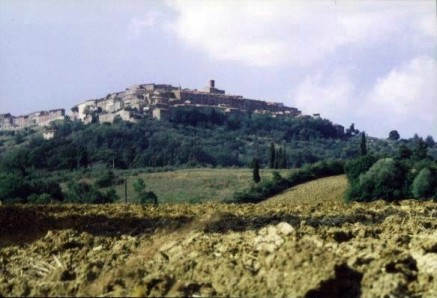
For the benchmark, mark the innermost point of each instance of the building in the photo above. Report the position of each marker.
(157, 100)
(49, 134)
(41, 118)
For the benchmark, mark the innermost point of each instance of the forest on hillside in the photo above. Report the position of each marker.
(191, 138)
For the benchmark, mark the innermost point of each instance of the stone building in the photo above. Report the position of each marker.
(156, 100)
(6, 121)
(42, 118)
(123, 115)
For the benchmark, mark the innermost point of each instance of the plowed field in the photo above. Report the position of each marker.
(318, 247)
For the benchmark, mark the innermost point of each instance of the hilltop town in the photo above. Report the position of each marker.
(153, 100)
(157, 100)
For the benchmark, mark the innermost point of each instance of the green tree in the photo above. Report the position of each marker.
(383, 180)
(421, 150)
(424, 185)
(272, 156)
(256, 176)
(363, 145)
(404, 152)
(430, 141)
(19, 138)
(13, 188)
(82, 192)
(394, 135)
(144, 196)
(106, 179)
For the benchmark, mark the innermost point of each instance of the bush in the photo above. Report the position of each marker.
(359, 166)
(148, 197)
(83, 192)
(424, 185)
(39, 199)
(50, 188)
(144, 196)
(13, 188)
(383, 180)
(107, 179)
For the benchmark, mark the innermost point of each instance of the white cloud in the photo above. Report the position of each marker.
(271, 33)
(405, 99)
(137, 25)
(329, 95)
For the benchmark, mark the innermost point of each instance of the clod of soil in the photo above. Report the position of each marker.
(323, 249)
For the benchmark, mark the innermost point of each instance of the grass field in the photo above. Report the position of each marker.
(195, 185)
(330, 189)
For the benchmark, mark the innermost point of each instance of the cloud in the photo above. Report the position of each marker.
(137, 25)
(273, 33)
(405, 99)
(328, 94)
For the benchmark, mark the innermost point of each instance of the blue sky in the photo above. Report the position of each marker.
(372, 63)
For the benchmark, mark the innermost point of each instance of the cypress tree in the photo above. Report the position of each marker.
(256, 176)
(277, 154)
(284, 161)
(363, 144)
(272, 156)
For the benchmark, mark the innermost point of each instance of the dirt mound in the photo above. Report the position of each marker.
(325, 249)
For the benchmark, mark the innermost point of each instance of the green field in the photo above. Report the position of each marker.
(195, 185)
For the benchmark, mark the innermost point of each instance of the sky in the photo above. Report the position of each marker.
(372, 63)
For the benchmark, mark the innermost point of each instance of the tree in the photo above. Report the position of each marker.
(256, 176)
(106, 179)
(363, 145)
(421, 150)
(404, 152)
(430, 141)
(382, 181)
(424, 184)
(12, 188)
(394, 135)
(272, 156)
(351, 131)
(144, 196)
(82, 192)
(358, 166)
(281, 159)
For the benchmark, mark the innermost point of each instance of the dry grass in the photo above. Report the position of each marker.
(330, 189)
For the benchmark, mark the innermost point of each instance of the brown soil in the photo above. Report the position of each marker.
(322, 249)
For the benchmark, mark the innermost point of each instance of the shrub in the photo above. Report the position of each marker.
(13, 188)
(50, 188)
(144, 196)
(424, 185)
(82, 192)
(359, 166)
(39, 198)
(383, 180)
(107, 179)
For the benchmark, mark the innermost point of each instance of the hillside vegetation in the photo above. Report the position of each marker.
(194, 185)
(64, 168)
